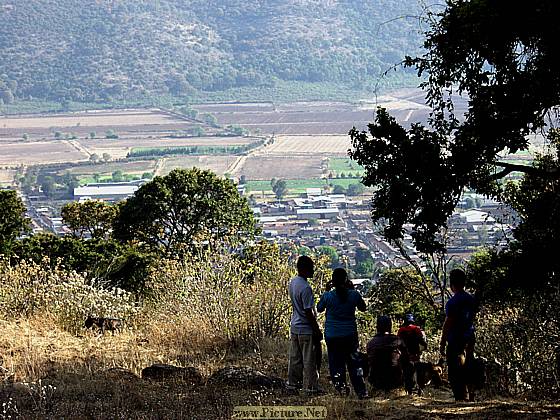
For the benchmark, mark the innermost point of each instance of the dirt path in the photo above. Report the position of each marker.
(160, 166)
(237, 165)
(78, 146)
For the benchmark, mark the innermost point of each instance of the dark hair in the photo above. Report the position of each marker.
(384, 324)
(340, 283)
(457, 278)
(304, 262)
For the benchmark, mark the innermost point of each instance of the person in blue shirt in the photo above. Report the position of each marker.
(458, 334)
(341, 332)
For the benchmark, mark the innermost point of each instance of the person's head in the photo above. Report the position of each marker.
(408, 319)
(340, 282)
(339, 277)
(457, 280)
(305, 266)
(384, 324)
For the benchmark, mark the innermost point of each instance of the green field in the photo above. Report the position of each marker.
(298, 186)
(345, 166)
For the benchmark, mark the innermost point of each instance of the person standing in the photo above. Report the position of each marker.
(341, 332)
(304, 330)
(458, 334)
(386, 353)
(415, 341)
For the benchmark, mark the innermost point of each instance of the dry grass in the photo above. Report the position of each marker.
(213, 312)
(77, 383)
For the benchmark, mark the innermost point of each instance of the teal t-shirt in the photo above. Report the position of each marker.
(341, 313)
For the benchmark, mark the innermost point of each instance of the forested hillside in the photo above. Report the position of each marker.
(98, 50)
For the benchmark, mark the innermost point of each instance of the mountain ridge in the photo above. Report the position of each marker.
(98, 50)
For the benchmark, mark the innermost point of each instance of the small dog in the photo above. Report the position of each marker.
(429, 374)
(104, 324)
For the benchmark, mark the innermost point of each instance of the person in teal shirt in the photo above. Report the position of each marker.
(341, 332)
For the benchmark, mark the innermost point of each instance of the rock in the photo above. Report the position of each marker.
(159, 372)
(246, 377)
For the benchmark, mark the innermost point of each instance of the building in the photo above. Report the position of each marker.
(106, 191)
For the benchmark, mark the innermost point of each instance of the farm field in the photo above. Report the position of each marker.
(218, 164)
(317, 145)
(305, 135)
(13, 154)
(119, 148)
(298, 186)
(129, 167)
(6, 177)
(317, 117)
(345, 166)
(81, 124)
(266, 167)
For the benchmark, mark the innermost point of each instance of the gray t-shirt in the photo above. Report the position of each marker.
(301, 296)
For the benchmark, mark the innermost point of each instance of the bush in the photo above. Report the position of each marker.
(28, 289)
(523, 336)
(243, 296)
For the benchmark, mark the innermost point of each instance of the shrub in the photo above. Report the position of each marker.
(243, 296)
(523, 336)
(29, 289)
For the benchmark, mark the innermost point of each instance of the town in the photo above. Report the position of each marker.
(319, 221)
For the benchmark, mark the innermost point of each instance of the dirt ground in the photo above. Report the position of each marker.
(266, 167)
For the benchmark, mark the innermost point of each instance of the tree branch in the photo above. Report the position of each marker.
(530, 170)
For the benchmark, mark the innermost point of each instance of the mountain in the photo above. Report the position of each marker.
(98, 50)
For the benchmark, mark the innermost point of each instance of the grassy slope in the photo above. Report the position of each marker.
(78, 369)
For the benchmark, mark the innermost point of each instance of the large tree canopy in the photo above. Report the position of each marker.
(502, 55)
(176, 212)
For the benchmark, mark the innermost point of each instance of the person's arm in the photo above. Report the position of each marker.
(308, 304)
(322, 305)
(448, 323)
(371, 360)
(422, 338)
(317, 334)
(361, 305)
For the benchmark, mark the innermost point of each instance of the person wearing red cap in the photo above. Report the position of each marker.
(415, 341)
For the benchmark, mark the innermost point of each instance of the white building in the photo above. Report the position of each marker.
(110, 192)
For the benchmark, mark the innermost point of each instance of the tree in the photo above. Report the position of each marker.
(507, 70)
(117, 176)
(93, 218)
(331, 252)
(355, 189)
(183, 210)
(105, 260)
(48, 185)
(6, 95)
(279, 188)
(94, 158)
(401, 291)
(106, 157)
(13, 222)
(339, 189)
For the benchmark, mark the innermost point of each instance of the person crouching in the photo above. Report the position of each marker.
(386, 355)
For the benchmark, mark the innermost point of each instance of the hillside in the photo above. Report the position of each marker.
(101, 50)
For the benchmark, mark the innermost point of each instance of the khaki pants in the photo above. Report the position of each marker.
(302, 366)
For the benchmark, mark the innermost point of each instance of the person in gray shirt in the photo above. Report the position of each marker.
(304, 330)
